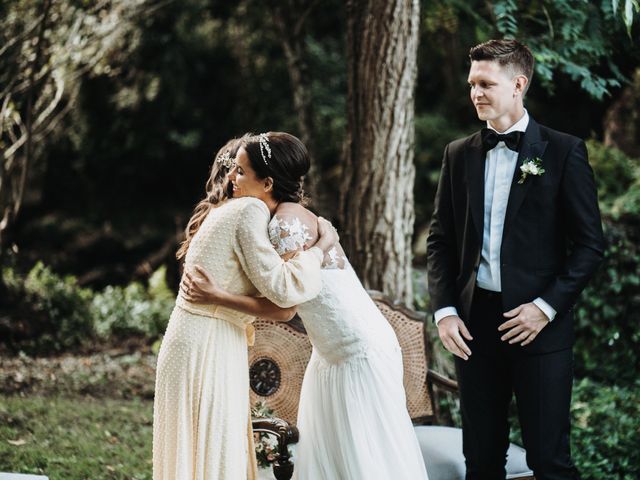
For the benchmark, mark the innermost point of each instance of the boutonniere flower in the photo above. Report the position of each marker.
(531, 167)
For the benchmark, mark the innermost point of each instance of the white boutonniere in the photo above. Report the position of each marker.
(531, 167)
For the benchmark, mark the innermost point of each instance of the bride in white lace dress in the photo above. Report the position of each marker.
(352, 418)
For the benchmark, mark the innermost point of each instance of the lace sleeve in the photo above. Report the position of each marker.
(284, 283)
(288, 234)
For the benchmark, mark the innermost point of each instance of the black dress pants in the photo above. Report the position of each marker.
(542, 387)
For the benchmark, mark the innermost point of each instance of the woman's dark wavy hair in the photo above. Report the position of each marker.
(217, 190)
(288, 164)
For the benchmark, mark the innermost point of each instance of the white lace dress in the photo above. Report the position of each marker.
(353, 419)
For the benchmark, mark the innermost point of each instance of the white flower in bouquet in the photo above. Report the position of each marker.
(271, 441)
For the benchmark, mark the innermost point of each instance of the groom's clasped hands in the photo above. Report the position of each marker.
(524, 324)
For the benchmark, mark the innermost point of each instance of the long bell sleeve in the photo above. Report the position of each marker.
(285, 283)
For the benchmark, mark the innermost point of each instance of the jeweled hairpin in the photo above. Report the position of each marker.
(264, 147)
(225, 160)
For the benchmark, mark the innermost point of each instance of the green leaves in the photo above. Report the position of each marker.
(64, 316)
(134, 309)
(569, 36)
(605, 426)
(60, 307)
(617, 179)
(607, 314)
(505, 14)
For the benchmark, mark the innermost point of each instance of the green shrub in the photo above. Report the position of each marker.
(614, 173)
(134, 309)
(11, 280)
(606, 421)
(627, 206)
(54, 314)
(607, 314)
(604, 429)
(61, 309)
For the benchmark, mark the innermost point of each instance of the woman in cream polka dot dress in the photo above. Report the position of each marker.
(201, 428)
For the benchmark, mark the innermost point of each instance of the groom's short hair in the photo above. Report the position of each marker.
(508, 53)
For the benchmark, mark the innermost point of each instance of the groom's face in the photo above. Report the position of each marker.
(494, 90)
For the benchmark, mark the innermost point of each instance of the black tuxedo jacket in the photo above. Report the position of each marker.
(552, 240)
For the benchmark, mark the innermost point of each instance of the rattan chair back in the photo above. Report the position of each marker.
(281, 352)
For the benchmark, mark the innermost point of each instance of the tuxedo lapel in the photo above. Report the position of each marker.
(532, 146)
(475, 160)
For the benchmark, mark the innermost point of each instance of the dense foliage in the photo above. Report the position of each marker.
(133, 98)
(604, 430)
(53, 314)
(608, 312)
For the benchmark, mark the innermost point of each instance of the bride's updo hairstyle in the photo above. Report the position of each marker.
(282, 157)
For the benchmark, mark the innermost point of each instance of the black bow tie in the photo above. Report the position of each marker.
(491, 138)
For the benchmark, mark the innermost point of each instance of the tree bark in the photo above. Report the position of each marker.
(376, 205)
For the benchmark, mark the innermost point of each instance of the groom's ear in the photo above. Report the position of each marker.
(521, 82)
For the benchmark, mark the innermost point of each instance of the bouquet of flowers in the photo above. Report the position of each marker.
(266, 445)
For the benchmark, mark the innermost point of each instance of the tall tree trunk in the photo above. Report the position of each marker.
(289, 18)
(376, 205)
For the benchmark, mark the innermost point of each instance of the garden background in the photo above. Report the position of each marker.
(111, 112)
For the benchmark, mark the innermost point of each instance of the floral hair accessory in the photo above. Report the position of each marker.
(531, 167)
(225, 160)
(264, 147)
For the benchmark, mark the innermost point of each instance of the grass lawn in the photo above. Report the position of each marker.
(76, 438)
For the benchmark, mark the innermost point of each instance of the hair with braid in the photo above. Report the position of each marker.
(217, 190)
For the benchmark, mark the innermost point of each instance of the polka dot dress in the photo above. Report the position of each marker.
(200, 425)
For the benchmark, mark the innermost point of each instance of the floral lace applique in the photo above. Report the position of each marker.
(286, 236)
(334, 260)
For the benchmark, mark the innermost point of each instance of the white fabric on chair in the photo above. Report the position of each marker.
(265, 474)
(442, 452)
(21, 476)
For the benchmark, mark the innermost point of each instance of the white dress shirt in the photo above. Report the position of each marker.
(500, 165)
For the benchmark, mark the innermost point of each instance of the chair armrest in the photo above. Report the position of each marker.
(286, 435)
(442, 381)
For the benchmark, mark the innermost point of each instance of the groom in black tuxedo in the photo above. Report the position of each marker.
(515, 236)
